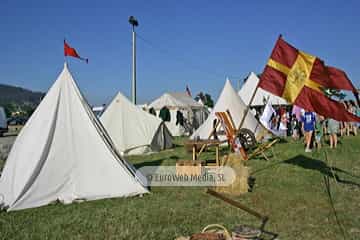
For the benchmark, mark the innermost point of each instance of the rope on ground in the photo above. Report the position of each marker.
(331, 201)
(329, 164)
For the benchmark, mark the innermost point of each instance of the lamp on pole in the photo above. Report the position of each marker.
(134, 23)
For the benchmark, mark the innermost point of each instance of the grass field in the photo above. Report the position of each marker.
(291, 189)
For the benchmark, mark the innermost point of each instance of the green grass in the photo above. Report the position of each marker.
(290, 189)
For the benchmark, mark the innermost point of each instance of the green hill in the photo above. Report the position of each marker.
(20, 96)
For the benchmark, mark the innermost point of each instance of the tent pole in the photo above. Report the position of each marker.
(246, 111)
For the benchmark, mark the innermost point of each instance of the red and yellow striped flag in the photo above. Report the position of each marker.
(301, 79)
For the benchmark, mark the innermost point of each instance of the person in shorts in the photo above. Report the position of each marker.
(333, 128)
(295, 127)
(354, 111)
(319, 130)
(283, 125)
(308, 127)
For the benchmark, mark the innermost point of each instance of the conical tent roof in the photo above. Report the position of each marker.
(132, 129)
(261, 96)
(229, 100)
(63, 153)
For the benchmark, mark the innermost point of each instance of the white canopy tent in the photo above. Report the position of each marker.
(229, 100)
(63, 153)
(133, 130)
(261, 97)
(194, 112)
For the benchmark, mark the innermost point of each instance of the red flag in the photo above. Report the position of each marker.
(337, 77)
(69, 51)
(301, 79)
(188, 90)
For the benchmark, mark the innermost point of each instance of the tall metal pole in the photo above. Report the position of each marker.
(133, 87)
(134, 23)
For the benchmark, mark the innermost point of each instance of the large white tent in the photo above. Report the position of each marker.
(64, 154)
(194, 112)
(133, 130)
(229, 100)
(261, 97)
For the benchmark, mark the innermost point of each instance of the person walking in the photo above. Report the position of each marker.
(354, 110)
(357, 114)
(333, 128)
(343, 125)
(295, 127)
(308, 127)
(347, 124)
(283, 125)
(319, 126)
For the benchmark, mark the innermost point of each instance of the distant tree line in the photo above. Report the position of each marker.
(205, 98)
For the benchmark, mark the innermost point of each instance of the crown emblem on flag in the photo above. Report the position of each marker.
(301, 78)
(297, 76)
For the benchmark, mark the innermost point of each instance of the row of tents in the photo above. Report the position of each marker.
(135, 131)
(66, 153)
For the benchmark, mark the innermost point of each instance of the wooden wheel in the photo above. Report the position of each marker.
(247, 138)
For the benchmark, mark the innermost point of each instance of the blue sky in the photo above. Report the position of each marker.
(195, 43)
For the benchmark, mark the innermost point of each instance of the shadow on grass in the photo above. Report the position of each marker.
(177, 145)
(156, 162)
(267, 167)
(316, 165)
(320, 166)
(282, 140)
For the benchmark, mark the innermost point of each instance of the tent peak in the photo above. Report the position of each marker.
(252, 73)
(227, 83)
(120, 94)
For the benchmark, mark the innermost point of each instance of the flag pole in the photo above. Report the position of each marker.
(251, 100)
(65, 59)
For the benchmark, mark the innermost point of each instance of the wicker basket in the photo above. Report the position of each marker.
(212, 232)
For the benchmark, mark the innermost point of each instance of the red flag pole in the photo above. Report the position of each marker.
(246, 111)
(65, 59)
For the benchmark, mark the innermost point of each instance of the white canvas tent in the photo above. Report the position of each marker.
(261, 97)
(63, 153)
(229, 100)
(133, 130)
(194, 112)
(3, 121)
